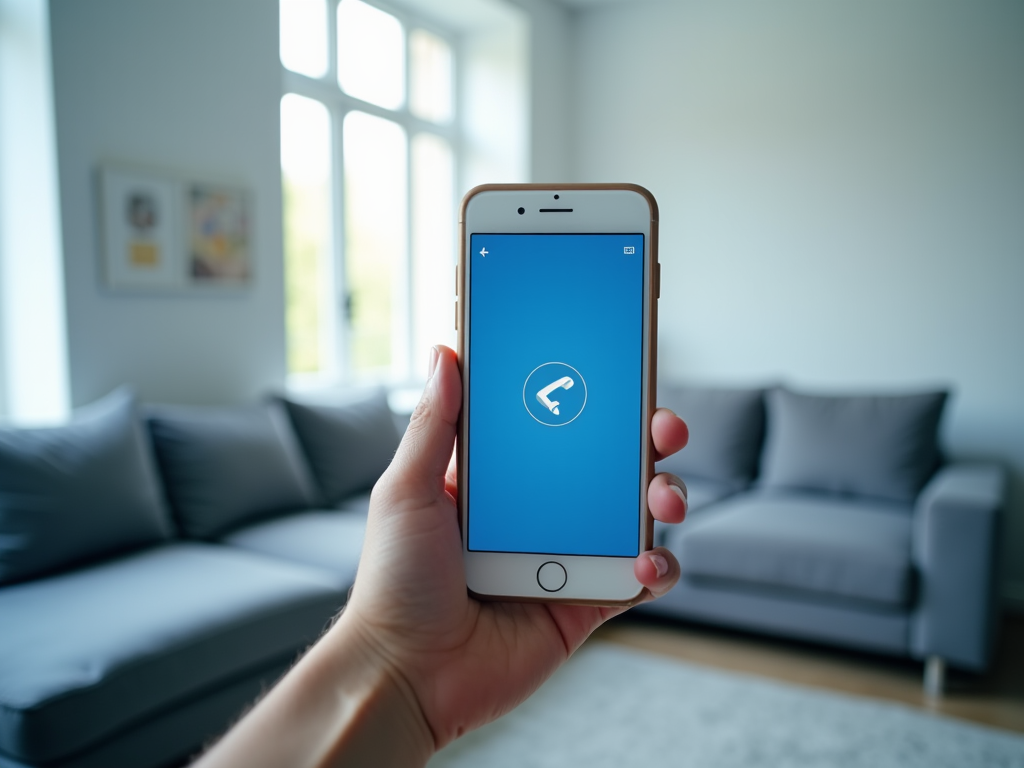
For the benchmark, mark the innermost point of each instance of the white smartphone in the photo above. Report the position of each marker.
(557, 319)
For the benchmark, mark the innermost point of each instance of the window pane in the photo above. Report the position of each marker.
(433, 247)
(306, 174)
(375, 242)
(304, 36)
(371, 54)
(430, 86)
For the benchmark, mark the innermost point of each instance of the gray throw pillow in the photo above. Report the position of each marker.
(882, 446)
(226, 466)
(726, 427)
(348, 446)
(77, 492)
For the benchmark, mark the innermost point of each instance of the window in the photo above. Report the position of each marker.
(369, 146)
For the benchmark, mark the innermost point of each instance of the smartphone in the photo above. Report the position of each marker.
(556, 314)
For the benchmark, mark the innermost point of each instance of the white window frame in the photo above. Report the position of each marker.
(327, 91)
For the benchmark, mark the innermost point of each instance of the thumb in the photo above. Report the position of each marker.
(417, 472)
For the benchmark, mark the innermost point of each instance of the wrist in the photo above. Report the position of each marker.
(383, 722)
(343, 704)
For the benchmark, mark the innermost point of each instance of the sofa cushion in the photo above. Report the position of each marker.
(726, 427)
(349, 445)
(224, 467)
(87, 654)
(811, 544)
(866, 445)
(79, 491)
(330, 539)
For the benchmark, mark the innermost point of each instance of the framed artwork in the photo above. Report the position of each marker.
(218, 234)
(141, 232)
(165, 233)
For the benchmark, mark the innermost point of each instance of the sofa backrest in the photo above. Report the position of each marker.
(348, 444)
(227, 466)
(877, 446)
(726, 430)
(78, 492)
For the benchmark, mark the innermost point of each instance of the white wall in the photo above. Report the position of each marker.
(550, 89)
(192, 87)
(842, 196)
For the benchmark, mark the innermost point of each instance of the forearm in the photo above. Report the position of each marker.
(339, 706)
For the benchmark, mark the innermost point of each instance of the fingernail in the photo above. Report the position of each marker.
(434, 354)
(660, 564)
(680, 492)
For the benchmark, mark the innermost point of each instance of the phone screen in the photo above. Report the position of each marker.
(555, 393)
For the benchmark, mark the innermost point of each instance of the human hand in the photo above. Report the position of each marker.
(460, 662)
(414, 662)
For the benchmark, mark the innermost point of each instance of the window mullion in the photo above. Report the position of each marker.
(332, 42)
(340, 302)
(407, 288)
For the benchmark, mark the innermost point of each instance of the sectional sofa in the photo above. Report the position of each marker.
(837, 520)
(159, 567)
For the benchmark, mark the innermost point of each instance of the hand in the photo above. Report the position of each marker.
(414, 662)
(464, 661)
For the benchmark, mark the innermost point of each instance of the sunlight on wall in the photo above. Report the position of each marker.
(32, 319)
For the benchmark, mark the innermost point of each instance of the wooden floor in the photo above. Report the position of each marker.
(995, 699)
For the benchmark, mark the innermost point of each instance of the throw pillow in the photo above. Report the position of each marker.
(883, 446)
(227, 466)
(726, 427)
(349, 446)
(81, 491)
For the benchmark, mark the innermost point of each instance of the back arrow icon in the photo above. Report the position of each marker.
(484, 251)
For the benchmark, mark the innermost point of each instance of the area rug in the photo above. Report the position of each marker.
(613, 706)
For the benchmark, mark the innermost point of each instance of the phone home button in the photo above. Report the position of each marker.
(551, 576)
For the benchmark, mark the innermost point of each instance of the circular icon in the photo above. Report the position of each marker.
(554, 394)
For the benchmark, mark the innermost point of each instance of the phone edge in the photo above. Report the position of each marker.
(655, 295)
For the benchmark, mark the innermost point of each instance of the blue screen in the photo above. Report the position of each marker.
(555, 393)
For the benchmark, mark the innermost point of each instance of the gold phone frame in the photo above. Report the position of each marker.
(461, 323)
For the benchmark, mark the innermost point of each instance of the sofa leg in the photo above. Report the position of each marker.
(934, 676)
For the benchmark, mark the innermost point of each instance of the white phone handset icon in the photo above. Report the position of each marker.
(542, 397)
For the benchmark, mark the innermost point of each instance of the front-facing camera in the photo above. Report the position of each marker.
(522, 211)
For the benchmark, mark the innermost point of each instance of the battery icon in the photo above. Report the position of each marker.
(628, 249)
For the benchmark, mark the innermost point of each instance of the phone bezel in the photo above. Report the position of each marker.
(597, 208)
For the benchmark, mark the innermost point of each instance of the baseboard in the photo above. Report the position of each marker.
(1013, 596)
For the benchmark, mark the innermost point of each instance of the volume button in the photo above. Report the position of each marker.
(657, 280)
(456, 279)
(456, 314)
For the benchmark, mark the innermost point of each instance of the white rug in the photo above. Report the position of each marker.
(611, 706)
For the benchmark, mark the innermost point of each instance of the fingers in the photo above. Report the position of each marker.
(419, 467)
(666, 497)
(670, 433)
(658, 570)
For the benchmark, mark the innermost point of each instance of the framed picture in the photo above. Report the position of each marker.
(161, 232)
(141, 217)
(218, 234)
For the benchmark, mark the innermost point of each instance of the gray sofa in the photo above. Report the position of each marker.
(158, 569)
(835, 520)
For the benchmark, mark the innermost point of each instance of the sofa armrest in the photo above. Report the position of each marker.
(956, 521)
